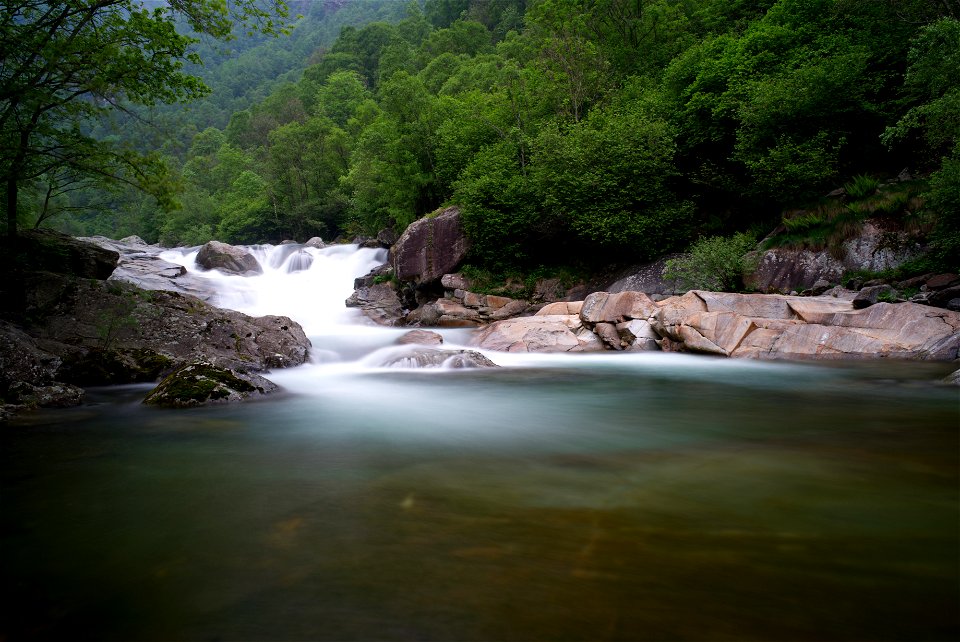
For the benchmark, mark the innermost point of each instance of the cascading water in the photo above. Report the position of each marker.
(616, 496)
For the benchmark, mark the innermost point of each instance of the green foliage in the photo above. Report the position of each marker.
(67, 65)
(713, 263)
(861, 186)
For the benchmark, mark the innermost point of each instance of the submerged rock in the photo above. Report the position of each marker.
(200, 382)
(438, 358)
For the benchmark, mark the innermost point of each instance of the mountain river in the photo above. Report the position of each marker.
(613, 496)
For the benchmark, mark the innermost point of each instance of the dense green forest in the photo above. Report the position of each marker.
(567, 130)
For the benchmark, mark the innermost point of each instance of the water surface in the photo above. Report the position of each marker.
(599, 497)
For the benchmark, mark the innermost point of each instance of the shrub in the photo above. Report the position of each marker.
(713, 263)
(861, 186)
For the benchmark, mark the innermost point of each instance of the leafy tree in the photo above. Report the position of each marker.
(68, 63)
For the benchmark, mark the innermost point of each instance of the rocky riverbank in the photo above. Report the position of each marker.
(71, 318)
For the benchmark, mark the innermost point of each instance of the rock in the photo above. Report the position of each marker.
(387, 237)
(378, 302)
(142, 265)
(781, 327)
(133, 240)
(49, 251)
(430, 247)
(945, 298)
(783, 269)
(421, 337)
(871, 294)
(646, 278)
(561, 333)
(200, 383)
(941, 281)
(227, 258)
(560, 307)
(637, 335)
(77, 319)
(434, 358)
(380, 274)
(548, 290)
(315, 242)
(953, 379)
(614, 308)
(609, 335)
(455, 281)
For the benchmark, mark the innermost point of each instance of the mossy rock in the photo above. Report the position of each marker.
(200, 382)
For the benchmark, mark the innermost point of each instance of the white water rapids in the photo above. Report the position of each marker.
(310, 285)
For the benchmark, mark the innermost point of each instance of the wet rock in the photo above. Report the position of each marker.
(380, 274)
(420, 337)
(430, 247)
(379, 303)
(142, 265)
(315, 242)
(200, 383)
(435, 358)
(227, 258)
(953, 378)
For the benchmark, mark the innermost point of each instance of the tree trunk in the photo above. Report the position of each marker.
(12, 206)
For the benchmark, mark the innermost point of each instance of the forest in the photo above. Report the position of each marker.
(570, 132)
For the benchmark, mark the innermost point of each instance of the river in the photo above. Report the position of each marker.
(644, 496)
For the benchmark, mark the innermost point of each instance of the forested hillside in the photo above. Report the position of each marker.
(615, 130)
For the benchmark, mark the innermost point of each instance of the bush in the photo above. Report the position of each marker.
(713, 263)
(861, 186)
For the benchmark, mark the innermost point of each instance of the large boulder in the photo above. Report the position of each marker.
(28, 373)
(201, 383)
(783, 327)
(142, 265)
(49, 251)
(430, 247)
(83, 321)
(227, 258)
(547, 333)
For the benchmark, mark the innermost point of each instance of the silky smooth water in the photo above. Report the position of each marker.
(559, 497)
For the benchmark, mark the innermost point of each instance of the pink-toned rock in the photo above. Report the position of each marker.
(604, 307)
(559, 333)
(781, 327)
(561, 307)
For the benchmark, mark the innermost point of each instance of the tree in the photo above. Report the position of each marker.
(66, 63)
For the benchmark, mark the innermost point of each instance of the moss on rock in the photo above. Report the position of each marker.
(201, 382)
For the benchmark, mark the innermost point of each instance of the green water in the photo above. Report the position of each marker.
(598, 500)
